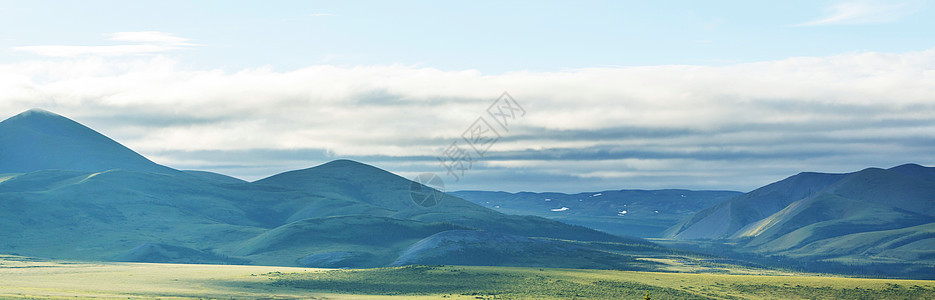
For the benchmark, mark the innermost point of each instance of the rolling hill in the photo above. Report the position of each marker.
(68, 192)
(873, 216)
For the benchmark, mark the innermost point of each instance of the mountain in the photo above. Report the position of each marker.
(68, 192)
(873, 216)
(729, 216)
(637, 213)
(356, 188)
(40, 140)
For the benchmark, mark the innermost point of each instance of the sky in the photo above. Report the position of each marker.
(603, 95)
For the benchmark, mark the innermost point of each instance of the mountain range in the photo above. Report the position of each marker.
(69, 192)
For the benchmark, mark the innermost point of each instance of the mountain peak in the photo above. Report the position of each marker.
(38, 139)
(909, 166)
(915, 170)
(341, 168)
(45, 122)
(37, 112)
(344, 163)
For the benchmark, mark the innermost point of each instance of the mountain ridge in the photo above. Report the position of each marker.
(73, 193)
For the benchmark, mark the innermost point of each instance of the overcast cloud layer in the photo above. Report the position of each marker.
(671, 126)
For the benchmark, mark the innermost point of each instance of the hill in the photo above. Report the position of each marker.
(68, 192)
(871, 217)
(364, 189)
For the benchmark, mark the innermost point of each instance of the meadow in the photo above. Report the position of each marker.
(25, 278)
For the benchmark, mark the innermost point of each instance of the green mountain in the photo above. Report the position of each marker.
(67, 192)
(637, 213)
(873, 216)
(362, 189)
(40, 140)
(722, 220)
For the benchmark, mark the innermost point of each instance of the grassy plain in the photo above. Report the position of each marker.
(23, 278)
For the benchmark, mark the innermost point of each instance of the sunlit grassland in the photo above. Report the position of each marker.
(24, 278)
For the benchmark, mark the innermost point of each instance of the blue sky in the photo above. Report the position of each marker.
(619, 94)
(490, 36)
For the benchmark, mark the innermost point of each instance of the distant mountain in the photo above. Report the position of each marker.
(40, 140)
(873, 216)
(637, 213)
(68, 192)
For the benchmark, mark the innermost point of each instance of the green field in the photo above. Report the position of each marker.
(24, 278)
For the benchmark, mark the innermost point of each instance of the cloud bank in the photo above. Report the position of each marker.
(714, 127)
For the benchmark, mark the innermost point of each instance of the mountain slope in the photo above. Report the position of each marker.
(40, 140)
(83, 215)
(468, 247)
(727, 217)
(855, 218)
(380, 238)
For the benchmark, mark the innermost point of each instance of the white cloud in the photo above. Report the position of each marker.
(864, 12)
(149, 37)
(650, 126)
(145, 43)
